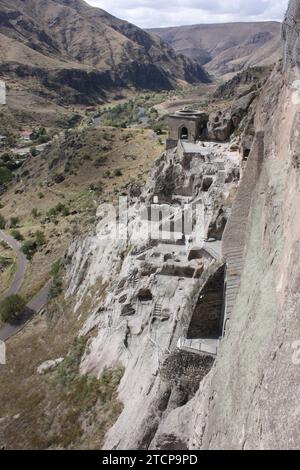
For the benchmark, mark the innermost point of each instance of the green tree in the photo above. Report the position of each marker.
(106, 174)
(41, 131)
(158, 128)
(17, 235)
(29, 248)
(35, 212)
(14, 221)
(33, 151)
(40, 238)
(118, 172)
(2, 222)
(5, 175)
(56, 267)
(11, 307)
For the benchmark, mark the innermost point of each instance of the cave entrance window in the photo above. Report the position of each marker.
(246, 154)
(145, 295)
(202, 131)
(184, 133)
(207, 182)
(208, 316)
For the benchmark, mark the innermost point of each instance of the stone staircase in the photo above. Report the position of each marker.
(214, 249)
(157, 309)
(201, 346)
(235, 234)
(235, 263)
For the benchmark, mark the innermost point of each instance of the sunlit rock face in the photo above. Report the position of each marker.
(146, 290)
(145, 294)
(291, 35)
(253, 387)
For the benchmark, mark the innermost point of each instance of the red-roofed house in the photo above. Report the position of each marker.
(27, 135)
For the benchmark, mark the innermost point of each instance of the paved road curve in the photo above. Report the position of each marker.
(10, 329)
(21, 267)
(34, 305)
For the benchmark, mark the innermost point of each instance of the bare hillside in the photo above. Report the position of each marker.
(226, 48)
(70, 52)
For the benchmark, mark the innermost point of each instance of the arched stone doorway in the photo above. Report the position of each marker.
(183, 133)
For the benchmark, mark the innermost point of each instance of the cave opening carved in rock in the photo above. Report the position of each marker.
(208, 315)
(145, 295)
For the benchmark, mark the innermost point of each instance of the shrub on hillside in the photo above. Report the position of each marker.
(35, 213)
(58, 209)
(2, 222)
(29, 248)
(5, 175)
(33, 151)
(17, 235)
(40, 238)
(158, 128)
(14, 221)
(118, 172)
(11, 308)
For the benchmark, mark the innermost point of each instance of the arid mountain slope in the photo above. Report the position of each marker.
(75, 52)
(226, 48)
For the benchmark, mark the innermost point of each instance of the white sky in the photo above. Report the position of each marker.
(156, 13)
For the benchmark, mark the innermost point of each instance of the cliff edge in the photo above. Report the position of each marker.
(249, 400)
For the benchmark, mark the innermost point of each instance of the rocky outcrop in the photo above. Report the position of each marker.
(249, 400)
(243, 83)
(222, 124)
(151, 296)
(291, 35)
(152, 287)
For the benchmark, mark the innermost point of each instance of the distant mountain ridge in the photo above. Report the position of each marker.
(226, 48)
(76, 52)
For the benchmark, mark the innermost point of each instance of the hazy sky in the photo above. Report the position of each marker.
(155, 13)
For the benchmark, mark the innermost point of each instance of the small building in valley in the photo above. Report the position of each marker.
(27, 135)
(186, 125)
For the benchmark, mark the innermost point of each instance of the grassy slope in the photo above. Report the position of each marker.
(53, 410)
(89, 161)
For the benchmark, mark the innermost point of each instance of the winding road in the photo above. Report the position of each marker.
(10, 329)
(21, 267)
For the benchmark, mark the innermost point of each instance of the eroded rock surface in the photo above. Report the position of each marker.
(147, 291)
(249, 400)
(152, 285)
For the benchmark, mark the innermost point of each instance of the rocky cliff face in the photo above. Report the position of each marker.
(153, 288)
(290, 35)
(249, 400)
(198, 375)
